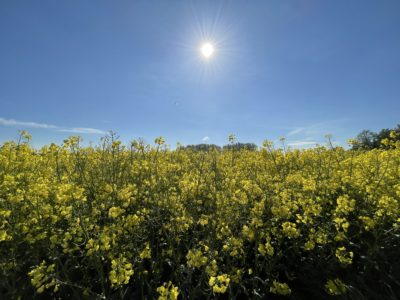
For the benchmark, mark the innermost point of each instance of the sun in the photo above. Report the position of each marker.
(207, 50)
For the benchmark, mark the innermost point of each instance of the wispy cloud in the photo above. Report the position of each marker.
(295, 131)
(205, 139)
(12, 122)
(302, 143)
(317, 130)
(306, 136)
(83, 130)
(24, 124)
(311, 130)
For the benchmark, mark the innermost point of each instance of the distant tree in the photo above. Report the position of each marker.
(368, 139)
(202, 147)
(240, 146)
(383, 134)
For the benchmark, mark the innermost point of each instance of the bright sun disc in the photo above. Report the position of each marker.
(207, 50)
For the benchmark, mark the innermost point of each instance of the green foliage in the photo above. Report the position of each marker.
(202, 147)
(368, 140)
(241, 146)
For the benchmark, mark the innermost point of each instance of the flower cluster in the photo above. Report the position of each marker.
(168, 292)
(280, 288)
(219, 283)
(121, 271)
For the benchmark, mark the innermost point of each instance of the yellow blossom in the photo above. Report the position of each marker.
(280, 288)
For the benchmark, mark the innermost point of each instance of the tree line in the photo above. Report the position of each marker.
(365, 140)
(232, 146)
(368, 139)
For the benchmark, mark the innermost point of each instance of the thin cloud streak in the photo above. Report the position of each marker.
(295, 131)
(315, 131)
(205, 139)
(302, 143)
(311, 130)
(82, 130)
(12, 122)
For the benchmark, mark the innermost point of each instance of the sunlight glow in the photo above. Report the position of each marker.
(207, 50)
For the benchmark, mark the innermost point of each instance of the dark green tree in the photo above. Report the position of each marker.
(240, 146)
(368, 139)
(202, 147)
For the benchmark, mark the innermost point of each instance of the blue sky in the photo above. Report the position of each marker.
(299, 69)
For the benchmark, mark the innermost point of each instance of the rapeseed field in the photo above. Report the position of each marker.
(146, 222)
